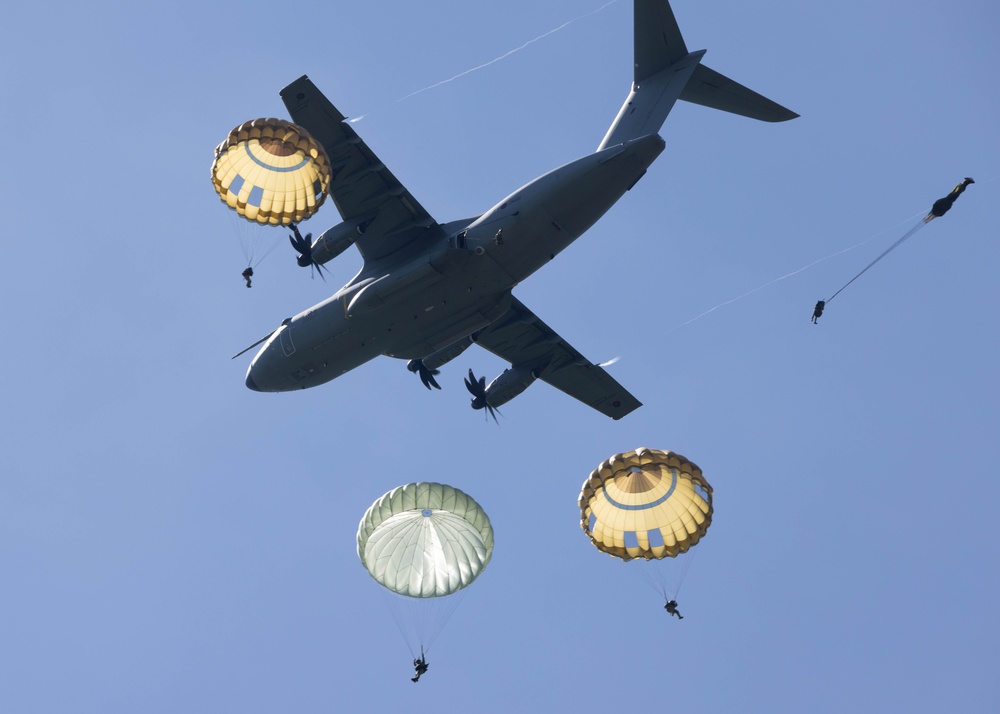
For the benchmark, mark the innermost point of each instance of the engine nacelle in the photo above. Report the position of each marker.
(509, 384)
(336, 240)
(447, 354)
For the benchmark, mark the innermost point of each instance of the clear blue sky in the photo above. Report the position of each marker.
(173, 542)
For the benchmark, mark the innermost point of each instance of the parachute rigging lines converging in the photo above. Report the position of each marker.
(424, 543)
(271, 173)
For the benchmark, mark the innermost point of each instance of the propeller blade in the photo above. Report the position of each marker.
(302, 246)
(477, 388)
(426, 375)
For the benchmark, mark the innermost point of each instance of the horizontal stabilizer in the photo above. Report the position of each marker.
(711, 89)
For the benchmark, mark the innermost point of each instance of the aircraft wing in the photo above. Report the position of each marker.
(362, 187)
(522, 339)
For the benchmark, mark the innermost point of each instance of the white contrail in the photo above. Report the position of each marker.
(795, 272)
(506, 54)
(815, 262)
(355, 120)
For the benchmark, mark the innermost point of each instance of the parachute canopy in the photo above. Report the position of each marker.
(272, 172)
(425, 540)
(645, 504)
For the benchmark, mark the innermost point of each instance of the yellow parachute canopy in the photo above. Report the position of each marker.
(272, 172)
(646, 504)
(425, 540)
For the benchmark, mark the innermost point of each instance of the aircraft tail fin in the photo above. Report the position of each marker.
(666, 71)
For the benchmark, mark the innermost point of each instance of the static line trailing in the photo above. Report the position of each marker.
(940, 207)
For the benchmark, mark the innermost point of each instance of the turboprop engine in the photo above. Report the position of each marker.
(501, 390)
(427, 368)
(336, 240)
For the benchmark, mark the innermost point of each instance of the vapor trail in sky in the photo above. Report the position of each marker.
(508, 54)
(498, 59)
(794, 272)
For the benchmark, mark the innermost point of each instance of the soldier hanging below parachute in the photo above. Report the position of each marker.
(271, 173)
(652, 507)
(424, 542)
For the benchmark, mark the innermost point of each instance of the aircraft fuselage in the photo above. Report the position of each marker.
(411, 305)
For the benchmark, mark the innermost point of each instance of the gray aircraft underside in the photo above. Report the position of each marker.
(427, 291)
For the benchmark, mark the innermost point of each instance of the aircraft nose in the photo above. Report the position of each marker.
(250, 383)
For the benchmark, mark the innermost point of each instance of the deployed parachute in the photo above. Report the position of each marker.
(424, 541)
(271, 172)
(646, 504)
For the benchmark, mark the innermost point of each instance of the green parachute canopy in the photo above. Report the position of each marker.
(271, 172)
(645, 504)
(425, 540)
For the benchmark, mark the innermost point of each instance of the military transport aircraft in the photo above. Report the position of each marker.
(429, 290)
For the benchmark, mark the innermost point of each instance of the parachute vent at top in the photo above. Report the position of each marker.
(271, 172)
(647, 504)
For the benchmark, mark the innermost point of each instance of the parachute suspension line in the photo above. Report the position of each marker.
(685, 567)
(442, 614)
(266, 253)
(241, 229)
(888, 250)
(421, 620)
(251, 237)
(665, 576)
(433, 615)
(397, 616)
(654, 575)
